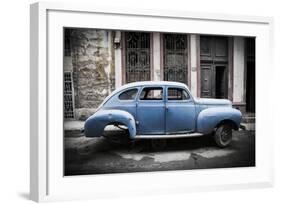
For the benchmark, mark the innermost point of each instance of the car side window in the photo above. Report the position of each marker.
(177, 94)
(129, 94)
(152, 93)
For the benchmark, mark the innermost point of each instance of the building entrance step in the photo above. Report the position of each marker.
(249, 118)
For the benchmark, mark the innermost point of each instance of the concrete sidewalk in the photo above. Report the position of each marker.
(249, 126)
(73, 125)
(73, 128)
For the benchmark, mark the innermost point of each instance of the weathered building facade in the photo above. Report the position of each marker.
(98, 61)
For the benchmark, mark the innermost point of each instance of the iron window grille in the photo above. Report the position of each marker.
(68, 96)
(175, 57)
(137, 56)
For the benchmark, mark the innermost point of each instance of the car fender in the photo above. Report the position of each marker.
(209, 118)
(94, 125)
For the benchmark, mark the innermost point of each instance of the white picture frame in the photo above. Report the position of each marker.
(47, 182)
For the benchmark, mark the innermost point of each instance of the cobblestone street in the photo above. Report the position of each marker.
(99, 156)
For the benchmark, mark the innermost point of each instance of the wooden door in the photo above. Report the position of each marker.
(214, 66)
(206, 80)
(214, 81)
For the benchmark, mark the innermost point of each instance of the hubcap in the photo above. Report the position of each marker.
(226, 134)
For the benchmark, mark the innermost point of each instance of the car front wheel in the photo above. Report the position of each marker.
(223, 135)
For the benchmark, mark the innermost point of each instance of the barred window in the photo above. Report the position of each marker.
(175, 50)
(137, 56)
(68, 96)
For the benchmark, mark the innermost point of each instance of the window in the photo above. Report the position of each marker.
(137, 56)
(67, 42)
(128, 94)
(152, 94)
(175, 57)
(177, 94)
(68, 96)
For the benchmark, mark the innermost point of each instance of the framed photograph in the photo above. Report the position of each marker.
(128, 102)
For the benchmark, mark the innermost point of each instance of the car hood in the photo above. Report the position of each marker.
(213, 102)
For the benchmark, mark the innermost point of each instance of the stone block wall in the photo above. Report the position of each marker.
(92, 54)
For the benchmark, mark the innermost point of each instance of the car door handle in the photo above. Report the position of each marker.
(167, 107)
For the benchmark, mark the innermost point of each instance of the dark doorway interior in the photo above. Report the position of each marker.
(250, 75)
(250, 87)
(221, 86)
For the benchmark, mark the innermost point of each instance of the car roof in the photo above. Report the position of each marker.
(148, 83)
(152, 83)
(144, 83)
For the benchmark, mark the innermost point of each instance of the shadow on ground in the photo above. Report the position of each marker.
(100, 156)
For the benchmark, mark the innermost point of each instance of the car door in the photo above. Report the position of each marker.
(151, 111)
(180, 111)
(126, 101)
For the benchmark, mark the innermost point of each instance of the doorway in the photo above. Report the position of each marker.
(220, 82)
(250, 87)
(214, 81)
(250, 75)
(214, 66)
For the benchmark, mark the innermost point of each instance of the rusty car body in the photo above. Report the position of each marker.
(160, 110)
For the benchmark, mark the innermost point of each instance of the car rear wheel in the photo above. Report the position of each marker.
(117, 135)
(223, 135)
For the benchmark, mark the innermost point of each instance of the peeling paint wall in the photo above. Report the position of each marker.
(194, 66)
(92, 54)
(238, 70)
(156, 56)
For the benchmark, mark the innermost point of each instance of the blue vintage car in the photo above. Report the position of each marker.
(160, 110)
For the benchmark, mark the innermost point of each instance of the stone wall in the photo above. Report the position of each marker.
(92, 55)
